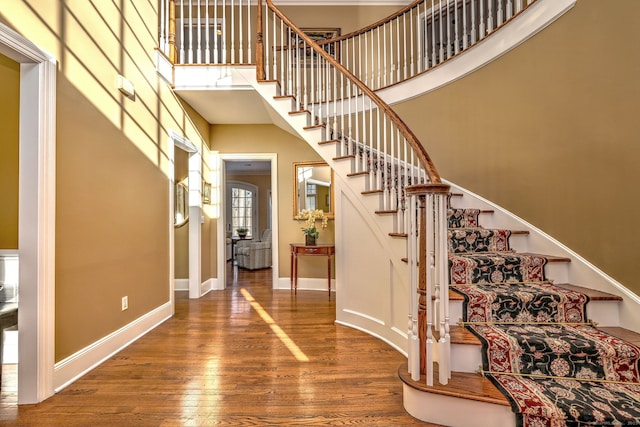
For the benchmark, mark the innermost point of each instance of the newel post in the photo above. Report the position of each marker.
(429, 339)
(259, 45)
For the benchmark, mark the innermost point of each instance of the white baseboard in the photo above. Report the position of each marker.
(306, 284)
(180, 284)
(68, 370)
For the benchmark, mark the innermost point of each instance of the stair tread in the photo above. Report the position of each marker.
(461, 385)
(313, 127)
(404, 235)
(593, 294)
(282, 96)
(383, 212)
(330, 141)
(550, 258)
(461, 335)
(622, 333)
(372, 192)
(358, 173)
(348, 156)
(292, 113)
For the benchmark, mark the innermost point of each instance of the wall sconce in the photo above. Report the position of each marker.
(126, 87)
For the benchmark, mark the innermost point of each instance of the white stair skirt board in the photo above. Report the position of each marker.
(455, 412)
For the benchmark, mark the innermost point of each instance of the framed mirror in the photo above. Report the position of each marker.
(313, 187)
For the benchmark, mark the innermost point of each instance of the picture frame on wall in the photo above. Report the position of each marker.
(319, 35)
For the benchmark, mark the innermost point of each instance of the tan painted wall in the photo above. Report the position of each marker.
(271, 139)
(550, 132)
(112, 216)
(9, 145)
(347, 18)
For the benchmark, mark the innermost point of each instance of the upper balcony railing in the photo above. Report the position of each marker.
(422, 35)
(208, 32)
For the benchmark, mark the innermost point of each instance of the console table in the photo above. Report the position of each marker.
(298, 249)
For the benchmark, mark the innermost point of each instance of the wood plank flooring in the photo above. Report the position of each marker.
(222, 360)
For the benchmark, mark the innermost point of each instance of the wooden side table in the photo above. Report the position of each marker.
(298, 249)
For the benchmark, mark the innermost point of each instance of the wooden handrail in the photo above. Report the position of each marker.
(377, 24)
(421, 152)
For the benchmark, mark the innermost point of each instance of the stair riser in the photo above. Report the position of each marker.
(603, 312)
(455, 412)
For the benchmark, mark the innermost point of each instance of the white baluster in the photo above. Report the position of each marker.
(456, 28)
(215, 32)
(190, 48)
(509, 11)
(433, 34)
(518, 5)
(249, 32)
(449, 52)
(404, 47)
(490, 16)
(225, 35)
(465, 34)
(419, 35)
(207, 26)
(378, 56)
(232, 36)
(240, 35)
(429, 296)
(412, 34)
(399, 60)
(474, 38)
(482, 27)
(443, 280)
(199, 38)
(384, 55)
(500, 11)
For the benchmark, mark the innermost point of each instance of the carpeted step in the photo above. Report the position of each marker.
(463, 218)
(522, 302)
(557, 350)
(496, 268)
(466, 240)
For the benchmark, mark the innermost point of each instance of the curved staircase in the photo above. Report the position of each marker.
(505, 290)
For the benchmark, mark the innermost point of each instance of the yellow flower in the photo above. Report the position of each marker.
(310, 216)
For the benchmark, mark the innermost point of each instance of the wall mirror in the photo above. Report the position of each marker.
(313, 187)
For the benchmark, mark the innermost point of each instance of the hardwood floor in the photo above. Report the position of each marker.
(226, 360)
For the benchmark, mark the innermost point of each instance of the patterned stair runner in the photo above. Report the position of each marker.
(538, 347)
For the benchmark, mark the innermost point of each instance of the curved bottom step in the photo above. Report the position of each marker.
(467, 400)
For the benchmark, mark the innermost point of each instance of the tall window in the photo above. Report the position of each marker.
(241, 209)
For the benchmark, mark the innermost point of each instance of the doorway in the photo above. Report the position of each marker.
(36, 215)
(259, 170)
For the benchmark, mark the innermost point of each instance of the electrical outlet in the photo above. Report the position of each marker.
(125, 303)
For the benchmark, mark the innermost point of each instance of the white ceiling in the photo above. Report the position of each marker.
(228, 106)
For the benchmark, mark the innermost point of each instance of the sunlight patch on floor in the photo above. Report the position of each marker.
(282, 335)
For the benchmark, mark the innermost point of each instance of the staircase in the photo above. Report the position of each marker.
(467, 389)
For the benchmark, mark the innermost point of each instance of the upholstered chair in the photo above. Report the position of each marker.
(255, 254)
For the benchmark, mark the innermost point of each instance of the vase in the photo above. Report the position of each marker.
(310, 240)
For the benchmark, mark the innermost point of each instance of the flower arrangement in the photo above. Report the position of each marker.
(310, 216)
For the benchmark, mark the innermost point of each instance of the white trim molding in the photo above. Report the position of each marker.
(81, 362)
(37, 206)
